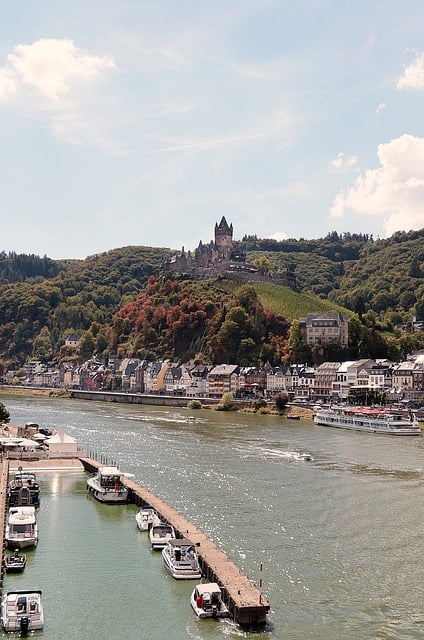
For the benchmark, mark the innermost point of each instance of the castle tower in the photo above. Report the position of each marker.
(224, 239)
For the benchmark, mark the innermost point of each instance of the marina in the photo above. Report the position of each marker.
(111, 486)
(339, 537)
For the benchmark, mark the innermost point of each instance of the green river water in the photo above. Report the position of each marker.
(339, 538)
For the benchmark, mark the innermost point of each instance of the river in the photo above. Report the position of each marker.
(336, 541)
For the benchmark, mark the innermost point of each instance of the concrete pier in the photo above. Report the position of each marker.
(246, 603)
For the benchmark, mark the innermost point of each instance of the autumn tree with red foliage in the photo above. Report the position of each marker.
(178, 320)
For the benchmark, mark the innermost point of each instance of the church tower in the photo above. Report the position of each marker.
(224, 239)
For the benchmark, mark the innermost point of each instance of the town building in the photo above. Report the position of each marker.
(324, 328)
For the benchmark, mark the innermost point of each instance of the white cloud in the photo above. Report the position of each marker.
(394, 191)
(47, 76)
(7, 85)
(51, 67)
(278, 235)
(381, 107)
(343, 161)
(413, 76)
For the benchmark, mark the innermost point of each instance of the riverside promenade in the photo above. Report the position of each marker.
(245, 601)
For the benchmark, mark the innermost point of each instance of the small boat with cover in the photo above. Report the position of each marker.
(14, 562)
(206, 601)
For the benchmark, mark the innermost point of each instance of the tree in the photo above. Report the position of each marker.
(42, 348)
(281, 400)
(227, 402)
(263, 265)
(4, 414)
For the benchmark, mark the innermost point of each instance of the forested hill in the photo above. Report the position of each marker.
(43, 300)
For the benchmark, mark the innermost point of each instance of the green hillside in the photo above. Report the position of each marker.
(283, 300)
(380, 283)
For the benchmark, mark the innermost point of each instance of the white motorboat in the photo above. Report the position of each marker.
(107, 485)
(368, 419)
(160, 533)
(206, 600)
(22, 611)
(145, 517)
(23, 489)
(21, 530)
(180, 559)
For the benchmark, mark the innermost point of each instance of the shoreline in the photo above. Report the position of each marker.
(156, 400)
(32, 391)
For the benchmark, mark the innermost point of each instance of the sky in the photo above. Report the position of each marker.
(133, 122)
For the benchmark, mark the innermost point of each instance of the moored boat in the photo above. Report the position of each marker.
(206, 600)
(160, 533)
(107, 485)
(21, 529)
(23, 489)
(22, 611)
(145, 517)
(14, 562)
(180, 559)
(368, 419)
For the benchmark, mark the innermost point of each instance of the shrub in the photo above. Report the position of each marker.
(194, 404)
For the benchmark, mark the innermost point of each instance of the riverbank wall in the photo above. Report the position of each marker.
(159, 400)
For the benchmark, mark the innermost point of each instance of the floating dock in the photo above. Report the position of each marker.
(245, 601)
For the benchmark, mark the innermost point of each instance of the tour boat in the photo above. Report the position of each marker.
(160, 533)
(23, 489)
(107, 486)
(21, 530)
(145, 517)
(206, 600)
(14, 562)
(180, 559)
(368, 419)
(22, 611)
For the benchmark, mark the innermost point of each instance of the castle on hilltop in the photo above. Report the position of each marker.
(221, 257)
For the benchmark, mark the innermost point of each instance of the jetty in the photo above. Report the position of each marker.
(245, 601)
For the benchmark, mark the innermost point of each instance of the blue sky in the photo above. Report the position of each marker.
(127, 122)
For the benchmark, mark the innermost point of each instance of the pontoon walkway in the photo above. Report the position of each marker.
(246, 603)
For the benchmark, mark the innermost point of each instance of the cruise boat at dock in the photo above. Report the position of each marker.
(107, 485)
(368, 419)
(21, 529)
(180, 559)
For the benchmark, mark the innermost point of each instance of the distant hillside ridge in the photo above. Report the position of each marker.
(379, 282)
